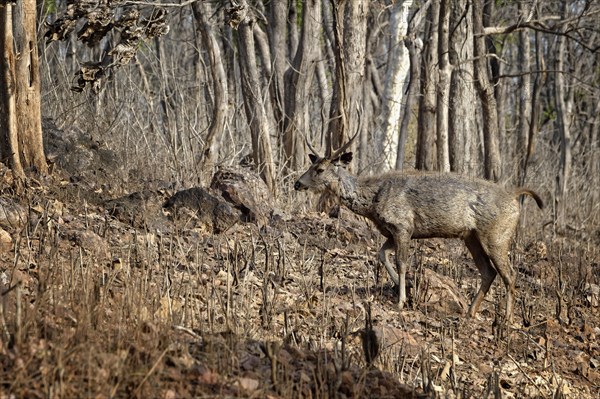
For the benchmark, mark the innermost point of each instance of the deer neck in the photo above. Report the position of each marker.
(347, 188)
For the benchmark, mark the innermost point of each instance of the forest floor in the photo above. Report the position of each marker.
(100, 306)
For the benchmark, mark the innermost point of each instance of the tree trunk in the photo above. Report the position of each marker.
(563, 111)
(485, 90)
(9, 148)
(425, 156)
(396, 82)
(253, 101)
(413, 85)
(443, 100)
(219, 111)
(414, 45)
(355, 45)
(346, 105)
(325, 95)
(21, 122)
(277, 41)
(524, 50)
(462, 133)
(301, 78)
(537, 105)
(338, 118)
(29, 119)
(292, 25)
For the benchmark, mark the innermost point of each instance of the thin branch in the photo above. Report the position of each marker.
(534, 24)
(538, 25)
(153, 3)
(543, 71)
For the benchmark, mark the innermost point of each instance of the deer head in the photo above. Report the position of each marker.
(324, 170)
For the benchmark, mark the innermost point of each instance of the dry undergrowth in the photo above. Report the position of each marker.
(93, 307)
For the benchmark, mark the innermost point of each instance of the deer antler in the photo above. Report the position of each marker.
(326, 131)
(310, 147)
(340, 151)
(343, 148)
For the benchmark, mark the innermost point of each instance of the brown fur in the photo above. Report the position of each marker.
(408, 205)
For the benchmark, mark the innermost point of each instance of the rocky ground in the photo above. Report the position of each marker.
(223, 291)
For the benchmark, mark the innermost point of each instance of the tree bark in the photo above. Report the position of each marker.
(485, 90)
(414, 46)
(462, 133)
(277, 41)
(524, 60)
(426, 131)
(355, 45)
(396, 83)
(292, 24)
(301, 78)
(21, 122)
(338, 118)
(253, 101)
(537, 105)
(325, 94)
(443, 100)
(219, 111)
(413, 85)
(564, 112)
(9, 148)
(29, 119)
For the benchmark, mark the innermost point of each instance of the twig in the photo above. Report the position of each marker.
(150, 3)
(188, 331)
(149, 373)
(525, 374)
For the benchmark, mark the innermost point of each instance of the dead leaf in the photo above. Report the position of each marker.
(248, 384)
(209, 377)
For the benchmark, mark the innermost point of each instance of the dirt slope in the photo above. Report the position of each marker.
(94, 305)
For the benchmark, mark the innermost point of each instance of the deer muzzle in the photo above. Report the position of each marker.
(299, 186)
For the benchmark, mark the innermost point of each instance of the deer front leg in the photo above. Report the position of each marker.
(386, 248)
(402, 242)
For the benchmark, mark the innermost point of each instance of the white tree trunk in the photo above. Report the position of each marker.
(443, 100)
(396, 82)
(9, 143)
(564, 111)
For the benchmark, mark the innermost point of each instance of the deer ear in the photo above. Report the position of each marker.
(313, 158)
(346, 157)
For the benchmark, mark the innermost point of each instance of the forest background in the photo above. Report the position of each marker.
(506, 90)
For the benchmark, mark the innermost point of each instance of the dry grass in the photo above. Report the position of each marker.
(94, 308)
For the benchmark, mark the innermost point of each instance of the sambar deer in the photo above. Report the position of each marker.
(410, 205)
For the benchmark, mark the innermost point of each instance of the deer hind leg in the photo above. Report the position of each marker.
(386, 248)
(499, 255)
(486, 269)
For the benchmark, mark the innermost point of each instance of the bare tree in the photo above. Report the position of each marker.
(525, 94)
(443, 87)
(537, 105)
(354, 55)
(20, 122)
(277, 29)
(462, 129)
(414, 45)
(219, 111)
(564, 104)
(338, 117)
(396, 78)
(425, 155)
(260, 125)
(485, 90)
(300, 81)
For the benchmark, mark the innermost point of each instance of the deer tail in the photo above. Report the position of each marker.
(524, 191)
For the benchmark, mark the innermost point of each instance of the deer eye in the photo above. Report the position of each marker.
(319, 171)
